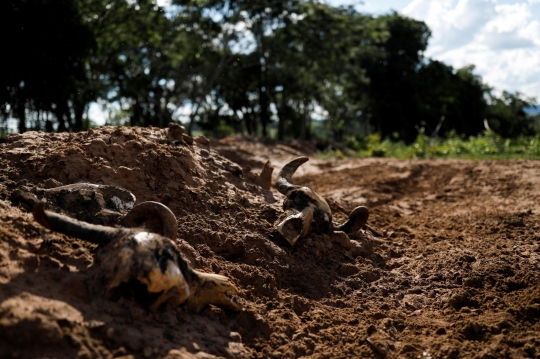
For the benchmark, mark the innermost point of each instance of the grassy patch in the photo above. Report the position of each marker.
(485, 146)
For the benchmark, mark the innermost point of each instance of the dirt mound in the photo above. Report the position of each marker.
(253, 152)
(454, 274)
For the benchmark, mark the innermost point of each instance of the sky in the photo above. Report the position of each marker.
(500, 37)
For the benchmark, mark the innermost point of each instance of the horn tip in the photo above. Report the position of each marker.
(360, 212)
(302, 159)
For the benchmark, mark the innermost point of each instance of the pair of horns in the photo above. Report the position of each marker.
(152, 216)
(357, 218)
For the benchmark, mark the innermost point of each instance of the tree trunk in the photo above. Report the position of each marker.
(308, 125)
(37, 124)
(263, 103)
(217, 130)
(281, 127)
(135, 119)
(78, 108)
(224, 60)
(21, 114)
(61, 123)
(87, 121)
(249, 123)
(280, 114)
(192, 116)
(263, 96)
(67, 113)
(303, 122)
(60, 118)
(48, 124)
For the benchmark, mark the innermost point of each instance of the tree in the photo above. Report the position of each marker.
(238, 65)
(393, 100)
(451, 100)
(47, 45)
(507, 115)
(130, 67)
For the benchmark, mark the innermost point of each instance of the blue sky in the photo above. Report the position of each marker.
(500, 37)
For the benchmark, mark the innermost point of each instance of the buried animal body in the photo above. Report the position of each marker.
(307, 212)
(128, 255)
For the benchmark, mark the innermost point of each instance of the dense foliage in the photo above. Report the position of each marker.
(484, 145)
(268, 68)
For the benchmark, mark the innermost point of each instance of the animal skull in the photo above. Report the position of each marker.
(307, 211)
(100, 204)
(151, 259)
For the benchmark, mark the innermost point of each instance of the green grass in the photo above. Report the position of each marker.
(485, 146)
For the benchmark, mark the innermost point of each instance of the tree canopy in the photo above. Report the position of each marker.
(266, 68)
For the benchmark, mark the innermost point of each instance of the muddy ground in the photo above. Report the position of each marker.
(452, 273)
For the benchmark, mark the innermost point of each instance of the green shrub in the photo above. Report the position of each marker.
(484, 146)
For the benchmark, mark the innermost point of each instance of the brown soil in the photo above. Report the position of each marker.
(453, 274)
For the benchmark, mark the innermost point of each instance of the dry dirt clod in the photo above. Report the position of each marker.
(203, 141)
(379, 346)
(175, 133)
(187, 139)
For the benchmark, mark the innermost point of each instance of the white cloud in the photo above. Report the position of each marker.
(164, 2)
(372, 6)
(500, 37)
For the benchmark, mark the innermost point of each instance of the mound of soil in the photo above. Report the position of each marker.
(253, 152)
(452, 272)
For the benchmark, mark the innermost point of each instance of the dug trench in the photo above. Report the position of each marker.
(452, 273)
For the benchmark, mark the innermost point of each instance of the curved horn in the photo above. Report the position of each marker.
(89, 232)
(357, 219)
(283, 181)
(154, 217)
